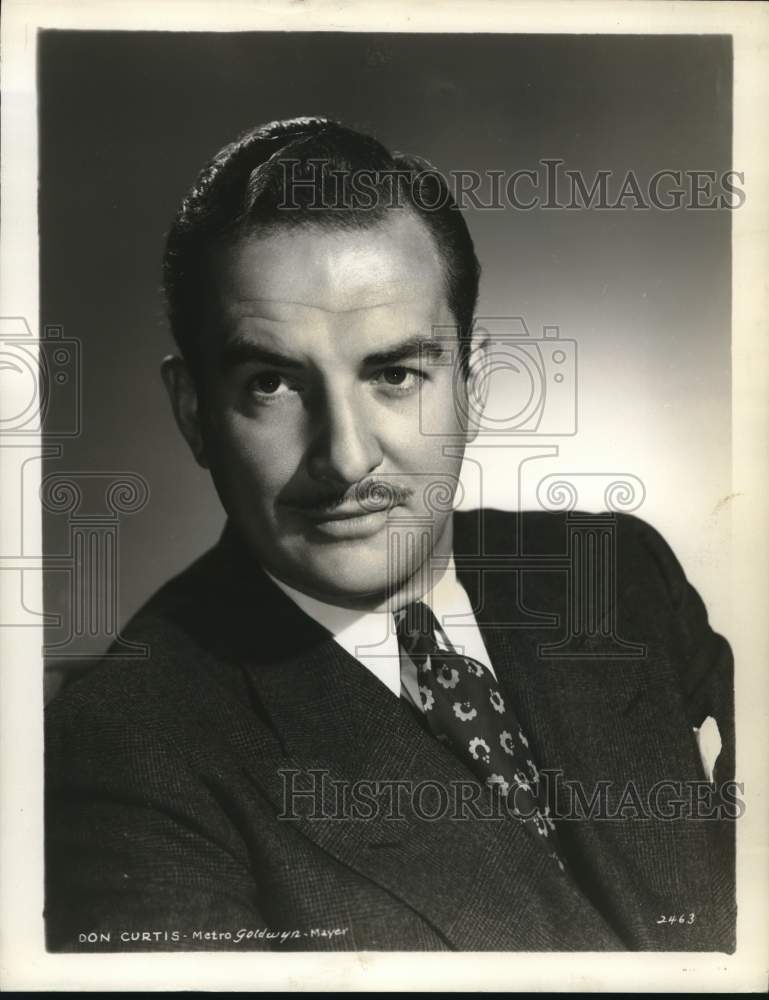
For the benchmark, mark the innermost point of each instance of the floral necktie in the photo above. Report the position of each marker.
(464, 708)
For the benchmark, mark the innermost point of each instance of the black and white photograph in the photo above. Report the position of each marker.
(384, 505)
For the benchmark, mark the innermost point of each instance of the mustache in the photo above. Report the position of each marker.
(369, 495)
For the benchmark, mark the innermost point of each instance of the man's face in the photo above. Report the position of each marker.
(321, 417)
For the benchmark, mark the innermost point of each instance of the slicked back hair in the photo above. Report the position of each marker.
(307, 172)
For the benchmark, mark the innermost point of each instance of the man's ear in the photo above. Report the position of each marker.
(478, 381)
(185, 402)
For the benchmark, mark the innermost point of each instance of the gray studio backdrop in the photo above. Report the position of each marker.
(126, 119)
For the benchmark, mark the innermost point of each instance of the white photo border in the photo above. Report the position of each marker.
(24, 962)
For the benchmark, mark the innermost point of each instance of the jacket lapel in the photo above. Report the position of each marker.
(601, 723)
(482, 883)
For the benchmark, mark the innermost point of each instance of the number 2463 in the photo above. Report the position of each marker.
(681, 918)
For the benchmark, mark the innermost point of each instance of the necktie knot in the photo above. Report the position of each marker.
(417, 627)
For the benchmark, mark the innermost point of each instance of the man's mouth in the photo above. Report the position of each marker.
(360, 515)
(348, 522)
(345, 513)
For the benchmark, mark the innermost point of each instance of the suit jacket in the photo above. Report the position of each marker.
(167, 818)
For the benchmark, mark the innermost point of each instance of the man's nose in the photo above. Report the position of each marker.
(345, 448)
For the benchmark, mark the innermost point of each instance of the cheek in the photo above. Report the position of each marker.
(254, 459)
(430, 458)
(444, 408)
(435, 424)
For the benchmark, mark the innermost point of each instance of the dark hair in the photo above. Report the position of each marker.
(308, 171)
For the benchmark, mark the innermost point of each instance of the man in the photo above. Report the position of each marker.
(346, 735)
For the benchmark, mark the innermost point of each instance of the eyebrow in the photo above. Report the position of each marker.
(430, 347)
(240, 351)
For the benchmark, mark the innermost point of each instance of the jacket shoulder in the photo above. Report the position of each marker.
(544, 531)
(172, 661)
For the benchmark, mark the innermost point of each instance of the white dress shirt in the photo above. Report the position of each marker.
(370, 636)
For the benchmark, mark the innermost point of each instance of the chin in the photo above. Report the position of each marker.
(345, 574)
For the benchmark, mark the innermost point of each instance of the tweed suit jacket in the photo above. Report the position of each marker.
(167, 824)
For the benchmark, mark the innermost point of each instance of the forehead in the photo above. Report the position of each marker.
(393, 264)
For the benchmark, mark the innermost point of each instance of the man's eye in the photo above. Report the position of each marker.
(400, 377)
(268, 384)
